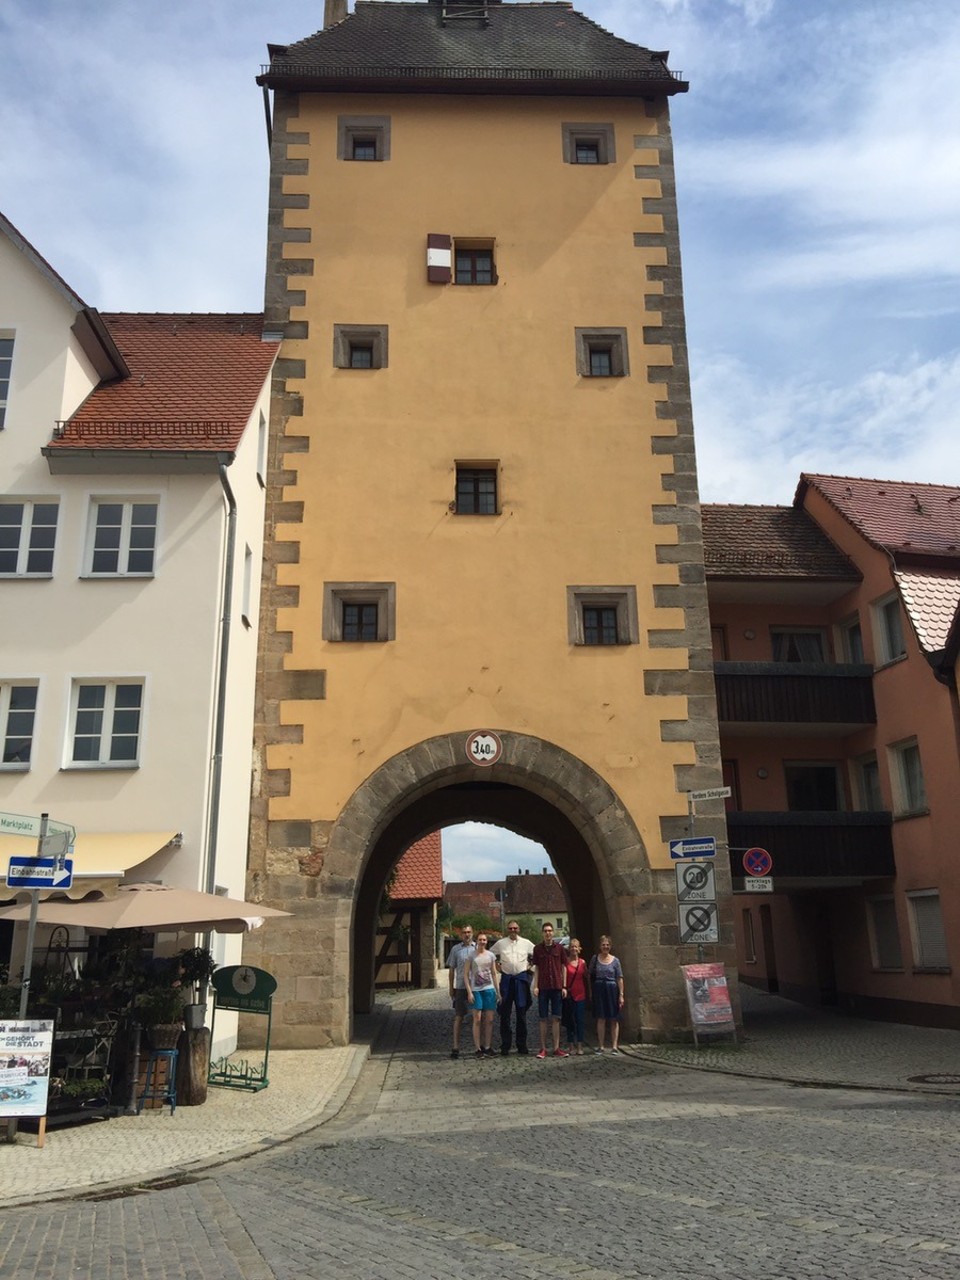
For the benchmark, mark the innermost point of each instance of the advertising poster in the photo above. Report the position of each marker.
(707, 995)
(25, 1052)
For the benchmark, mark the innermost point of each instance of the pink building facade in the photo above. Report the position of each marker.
(835, 645)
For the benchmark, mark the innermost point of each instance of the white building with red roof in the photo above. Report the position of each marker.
(132, 467)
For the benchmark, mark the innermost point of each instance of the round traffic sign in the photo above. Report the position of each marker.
(484, 747)
(757, 862)
(695, 875)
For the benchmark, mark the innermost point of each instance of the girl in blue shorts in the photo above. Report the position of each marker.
(482, 983)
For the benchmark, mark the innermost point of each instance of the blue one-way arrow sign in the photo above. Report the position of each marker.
(40, 873)
(694, 847)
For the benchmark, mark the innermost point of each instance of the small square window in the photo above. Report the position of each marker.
(588, 144)
(476, 490)
(122, 540)
(358, 346)
(474, 263)
(602, 616)
(363, 137)
(18, 709)
(359, 612)
(602, 353)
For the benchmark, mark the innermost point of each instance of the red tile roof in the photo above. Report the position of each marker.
(913, 519)
(932, 600)
(769, 542)
(420, 871)
(194, 382)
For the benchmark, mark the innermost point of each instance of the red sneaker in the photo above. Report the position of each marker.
(542, 1053)
(560, 1053)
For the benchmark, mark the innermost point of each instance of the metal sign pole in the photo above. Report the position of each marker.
(693, 831)
(28, 958)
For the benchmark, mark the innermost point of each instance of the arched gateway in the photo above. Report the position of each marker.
(536, 789)
(482, 501)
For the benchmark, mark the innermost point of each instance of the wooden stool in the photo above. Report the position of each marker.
(153, 1088)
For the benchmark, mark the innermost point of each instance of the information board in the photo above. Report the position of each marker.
(26, 1048)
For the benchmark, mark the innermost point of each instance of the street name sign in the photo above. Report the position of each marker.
(696, 882)
(759, 884)
(694, 847)
(712, 793)
(22, 824)
(699, 922)
(40, 873)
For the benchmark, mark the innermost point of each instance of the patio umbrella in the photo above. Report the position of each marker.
(155, 907)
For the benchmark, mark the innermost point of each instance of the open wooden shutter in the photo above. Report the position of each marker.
(439, 259)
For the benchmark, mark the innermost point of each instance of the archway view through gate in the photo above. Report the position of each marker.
(325, 955)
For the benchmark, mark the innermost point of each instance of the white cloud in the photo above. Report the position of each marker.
(755, 436)
(482, 851)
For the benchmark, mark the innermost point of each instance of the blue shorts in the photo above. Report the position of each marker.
(551, 1003)
(485, 998)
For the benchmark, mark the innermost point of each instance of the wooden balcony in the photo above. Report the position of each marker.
(794, 697)
(815, 846)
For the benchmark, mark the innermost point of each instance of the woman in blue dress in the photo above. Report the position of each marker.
(606, 979)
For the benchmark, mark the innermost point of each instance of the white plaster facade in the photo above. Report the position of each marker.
(164, 630)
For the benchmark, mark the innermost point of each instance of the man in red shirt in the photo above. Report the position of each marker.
(550, 986)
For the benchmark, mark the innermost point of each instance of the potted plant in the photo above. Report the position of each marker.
(160, 1010)
(196, 966)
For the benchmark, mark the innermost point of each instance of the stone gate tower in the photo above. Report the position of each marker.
(482, 502)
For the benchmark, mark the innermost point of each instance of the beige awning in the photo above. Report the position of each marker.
(98, 857)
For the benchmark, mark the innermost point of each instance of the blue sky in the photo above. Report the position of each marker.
(818, 168)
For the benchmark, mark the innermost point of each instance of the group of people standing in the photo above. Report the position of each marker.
(513, 974)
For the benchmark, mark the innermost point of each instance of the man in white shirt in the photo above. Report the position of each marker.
(460, 953)
(513, 960)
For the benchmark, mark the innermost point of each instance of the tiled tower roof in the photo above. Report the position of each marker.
(532, 47)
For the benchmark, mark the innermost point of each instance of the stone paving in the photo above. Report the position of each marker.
(596, 1167)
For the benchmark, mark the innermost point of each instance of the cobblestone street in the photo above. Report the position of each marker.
(591, 1167)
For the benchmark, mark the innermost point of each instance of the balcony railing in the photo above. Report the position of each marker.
(794, 693)
(815, 844)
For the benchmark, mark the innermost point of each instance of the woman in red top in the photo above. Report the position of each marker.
(578, 992)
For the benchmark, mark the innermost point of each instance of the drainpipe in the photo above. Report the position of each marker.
(226, 618)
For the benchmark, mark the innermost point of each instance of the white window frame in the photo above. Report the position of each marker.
(893, 960)
(929, 937)
(907, 799)
(106, 733)
(6, 687)
(6, 375)
(123, 552)
(247, 587)
(24, 548)
(889, 647)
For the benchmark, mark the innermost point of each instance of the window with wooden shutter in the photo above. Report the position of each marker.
(439, 259)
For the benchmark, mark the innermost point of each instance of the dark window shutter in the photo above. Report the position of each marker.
(439, 259)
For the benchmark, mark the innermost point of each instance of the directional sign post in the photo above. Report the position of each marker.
(40, 873)
(694, 847)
